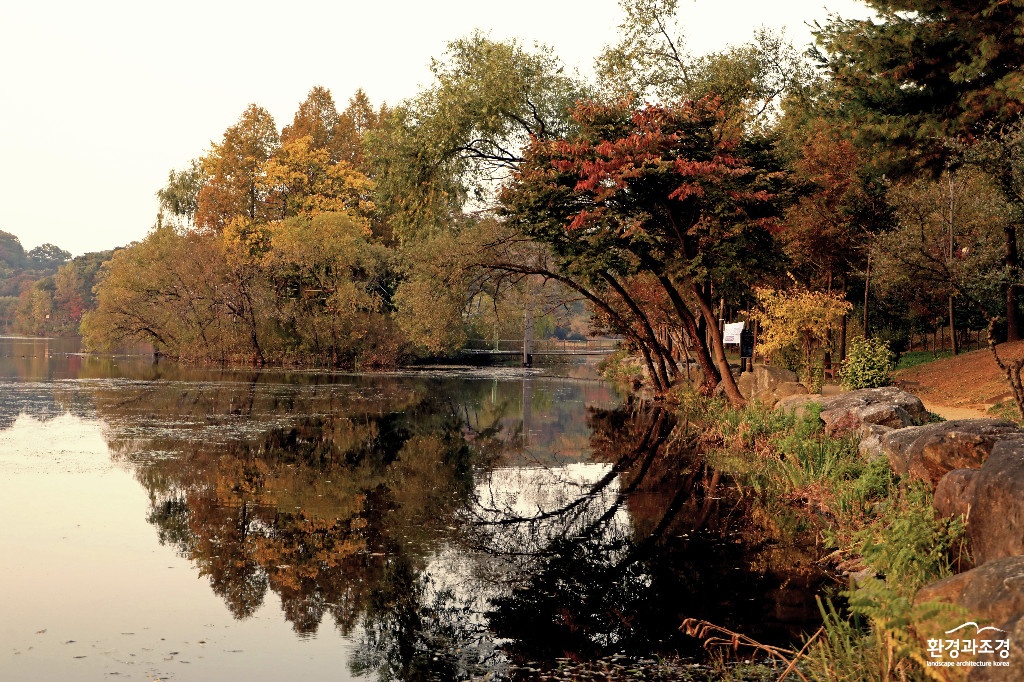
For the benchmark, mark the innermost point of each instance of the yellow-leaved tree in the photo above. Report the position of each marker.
(797, 319)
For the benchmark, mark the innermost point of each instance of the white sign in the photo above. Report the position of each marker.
(732, 332)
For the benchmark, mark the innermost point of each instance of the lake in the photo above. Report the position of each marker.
(169, 522)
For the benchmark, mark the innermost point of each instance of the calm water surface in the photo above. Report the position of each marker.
(163, 522)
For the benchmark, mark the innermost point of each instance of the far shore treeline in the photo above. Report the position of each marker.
(878, 177)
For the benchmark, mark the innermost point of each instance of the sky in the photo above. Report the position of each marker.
(100, 100)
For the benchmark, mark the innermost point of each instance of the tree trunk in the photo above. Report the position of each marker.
(952, 328)
(656, 348)
(729, 382)
(867, 287)
(711, 373)
(1011, 261)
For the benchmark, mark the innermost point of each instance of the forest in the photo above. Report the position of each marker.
(871, 186)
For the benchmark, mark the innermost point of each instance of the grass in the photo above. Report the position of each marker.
(865, 518)
(921, 357)
(1007, 409)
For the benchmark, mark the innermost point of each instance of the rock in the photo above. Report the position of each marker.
(991, 595)
(1014, 631)
(787, 389)
(995, 496)
(797, 404)
(930, 452)
(951, 493)
(887, 406)
(870, 445)
(761, 384)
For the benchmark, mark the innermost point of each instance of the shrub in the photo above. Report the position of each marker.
(869, 364)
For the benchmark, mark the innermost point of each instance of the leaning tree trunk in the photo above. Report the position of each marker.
(728, 381)
(689, 321)
(648, 330)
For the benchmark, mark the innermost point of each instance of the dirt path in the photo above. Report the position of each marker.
(961, 387)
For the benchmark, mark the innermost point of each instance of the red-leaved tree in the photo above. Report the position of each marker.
(661, 192)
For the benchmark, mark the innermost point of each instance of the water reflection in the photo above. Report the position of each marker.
(447, 526)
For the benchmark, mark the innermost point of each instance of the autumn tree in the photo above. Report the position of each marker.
(339, 133)
(329, 284)
(235, 175)
(170, 290)
(300, 178)
(318, 119)
(798, 319)
(354, 123)
(658, 190)
(827, 229)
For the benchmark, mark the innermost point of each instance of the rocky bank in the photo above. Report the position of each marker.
(977, 469)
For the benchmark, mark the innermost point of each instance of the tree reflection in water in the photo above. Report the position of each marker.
(404, 512)
(657, 537)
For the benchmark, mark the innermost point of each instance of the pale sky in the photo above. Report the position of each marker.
(99, 100)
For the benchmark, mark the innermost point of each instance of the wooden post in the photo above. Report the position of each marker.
(527, 328)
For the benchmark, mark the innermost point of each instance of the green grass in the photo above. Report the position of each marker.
(920, 357)
(1006, 409)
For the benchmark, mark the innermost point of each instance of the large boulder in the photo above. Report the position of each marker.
(930, 452)
(992, 596)
(870, 445)
(951, 493)
(886, 406)
(995, 499)
(767, 384)
(1012, 668)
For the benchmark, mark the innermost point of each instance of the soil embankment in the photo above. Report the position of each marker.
(964, 386)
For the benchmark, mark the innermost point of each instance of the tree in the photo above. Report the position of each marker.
(658, 190)
(925, 71)
(453, 142)
(46, 258)
(947, 245)
(798, 319)
(355, 122)
(180, 196)
(317, 119)
(235, 184)
(826, 231)
(922, 74)
(328, 282)
(1000, 154)
(171, 290)
(301, 178)
(650, 61)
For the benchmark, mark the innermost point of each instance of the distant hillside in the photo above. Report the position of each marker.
(44, 291)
